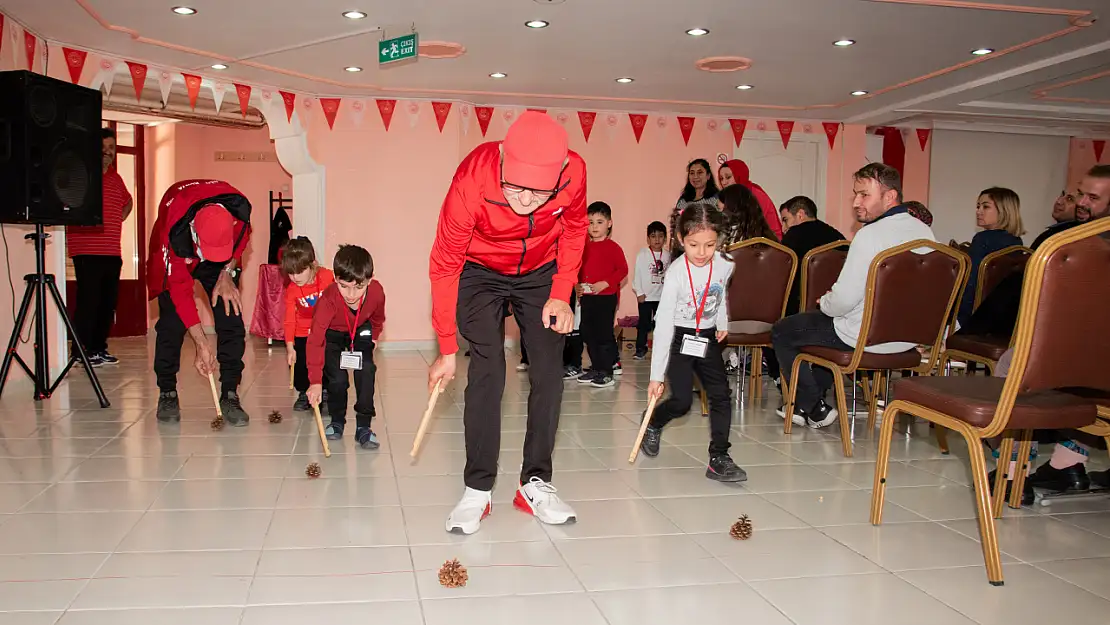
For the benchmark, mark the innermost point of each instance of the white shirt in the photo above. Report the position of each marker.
(844, 302)
(677, 305)
(648, 277)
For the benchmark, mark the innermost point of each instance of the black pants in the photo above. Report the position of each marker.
(572, 347)
(680, 376)
(793, 333)
(482, 293)
(646, 324)
(97, 293)
(337, 380)
(170, 331)
(598, 312)
(300, 369)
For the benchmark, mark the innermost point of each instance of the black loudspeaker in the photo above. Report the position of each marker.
(50, 152)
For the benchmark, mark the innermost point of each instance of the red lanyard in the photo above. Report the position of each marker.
(655, 260)
(357, 312)
(694, 296)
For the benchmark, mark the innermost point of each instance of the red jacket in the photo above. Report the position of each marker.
(300, 301)
(332, 313)
(173, 256)
(476, 224)
(770, 213)
(604, 261)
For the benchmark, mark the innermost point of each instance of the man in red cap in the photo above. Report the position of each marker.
(511, 230)
(202, 229)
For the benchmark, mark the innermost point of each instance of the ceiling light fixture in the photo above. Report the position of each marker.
(743, 87)
(353, 69)
(982, 51)
(844, 43)
(625, 80)
(697, 32)
(184, 10)
(219, 66)
(354, 15)
(498, 75)
(536, 24)
(859, 93)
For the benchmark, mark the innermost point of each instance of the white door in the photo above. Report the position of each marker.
(785, 173)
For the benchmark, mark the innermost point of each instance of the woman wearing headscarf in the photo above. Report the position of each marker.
(736, 172)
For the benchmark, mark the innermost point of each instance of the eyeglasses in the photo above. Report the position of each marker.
(513, 189)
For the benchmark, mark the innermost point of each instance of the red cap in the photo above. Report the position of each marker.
(534, 151)
(215, 230)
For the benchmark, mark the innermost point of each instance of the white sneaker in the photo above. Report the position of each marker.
(467, 516)
(798, 419)
(538, 498)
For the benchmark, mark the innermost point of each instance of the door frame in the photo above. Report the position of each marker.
(821, 182)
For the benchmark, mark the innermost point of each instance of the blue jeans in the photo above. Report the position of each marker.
(788, 337)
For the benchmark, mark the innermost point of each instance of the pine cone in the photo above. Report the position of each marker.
(741, 529)
(313, 470)
(275, 417)
(218, 423)
(452, 574)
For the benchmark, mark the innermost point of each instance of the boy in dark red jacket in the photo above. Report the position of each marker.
(349, 315)
(599, 286)
(202, 229)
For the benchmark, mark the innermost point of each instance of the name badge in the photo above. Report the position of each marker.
(695, 346)
(350, 361)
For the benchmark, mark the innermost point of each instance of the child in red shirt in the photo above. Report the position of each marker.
(599, 284)
(307, 281)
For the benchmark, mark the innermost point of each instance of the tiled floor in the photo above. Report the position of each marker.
(108, 517)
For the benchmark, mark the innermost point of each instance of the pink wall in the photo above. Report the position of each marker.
(1081, 157)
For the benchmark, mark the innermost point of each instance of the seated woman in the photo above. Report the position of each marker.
(998, 213)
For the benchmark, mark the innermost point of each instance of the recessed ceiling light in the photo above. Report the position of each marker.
(743, 87)
(859, 93)
(844, 43)
(982, 51)
(498, 75)
(219, 66)
(354, 15)
(625, 80)
(184, 10)
(353, 69)
(536, 24)
(697, 32)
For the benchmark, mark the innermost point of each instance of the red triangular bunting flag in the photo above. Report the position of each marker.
(923, 136)
(484, 114)
(442, 110)
(639, 120)
(138, 78)
(785, 130)
(1, 32)
(587, 120)
(331, 109)
(831, 128)
(1099, 145)
(192, 85)
(290, 100)
(75, 59)
(29, 42)
(686, 125)
(244, 93)
(386, 107)
(738, 127)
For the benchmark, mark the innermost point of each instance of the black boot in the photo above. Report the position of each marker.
(169, 410)
(234, 415)
(1027, 495)
(1073, 479)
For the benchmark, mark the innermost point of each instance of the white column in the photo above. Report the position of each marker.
(309, 189)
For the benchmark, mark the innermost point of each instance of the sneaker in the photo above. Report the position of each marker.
(602, 381)
(799, 418)
(169, 410)
(95, 360)
(1073, 479)
(1027, 494)
(234, 415)
(522, 366)
(587, 376)
(366, 438)
(653, 436)
(467, 516)
(722, 469)
(640, 354)
(539, 499)
(334, 431)
(302, 405)
(821, 416)
(617, 369)
(108, 358)
(570, 372)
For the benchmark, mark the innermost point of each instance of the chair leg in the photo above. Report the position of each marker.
(941, 433)
(791, 395)
(743, 372)
(841, 405)
(988, 537)
(757, 373)
(1022, 466)
(873, 405)
(882, 461)
(1002, 470)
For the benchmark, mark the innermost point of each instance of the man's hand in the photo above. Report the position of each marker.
(578, 289)
(205, 361)
(640, 299)
(314, 393)
(290, 354)
(564, 316)
(722, 335)
(655, 390)
(443, 370)
(226, 289)
(598, 287)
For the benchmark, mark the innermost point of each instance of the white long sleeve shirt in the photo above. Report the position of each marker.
(844, 302)
(678, 306)
(648, 277)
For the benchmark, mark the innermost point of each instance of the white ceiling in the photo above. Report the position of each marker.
(573, 63)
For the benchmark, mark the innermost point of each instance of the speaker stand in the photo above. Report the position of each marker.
(38, 284)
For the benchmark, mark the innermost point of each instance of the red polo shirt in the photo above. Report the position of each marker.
(103, 240)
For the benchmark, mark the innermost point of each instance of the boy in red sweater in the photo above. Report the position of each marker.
(307, 281)
(349, 315)
(599, 285)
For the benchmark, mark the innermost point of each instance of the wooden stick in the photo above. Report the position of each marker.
(426, 420)
(643, 430)
(320, 429)
(215, 395)
(291, 370)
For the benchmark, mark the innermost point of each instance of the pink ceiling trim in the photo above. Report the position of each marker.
(1043, 93)
(1077, 18)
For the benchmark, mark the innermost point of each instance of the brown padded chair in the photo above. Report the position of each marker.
(762, 274)
(1056, 342)
(820, 268)
(909, 299)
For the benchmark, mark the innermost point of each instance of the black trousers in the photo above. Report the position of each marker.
(97, 293)
(646, 324)
(572, 346)
(482, 294)
(170, 331)
(300, 369)
(598, 312)
(337, 380)
(680, 377)
(789, 336)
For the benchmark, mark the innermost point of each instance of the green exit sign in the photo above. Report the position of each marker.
(397, 49)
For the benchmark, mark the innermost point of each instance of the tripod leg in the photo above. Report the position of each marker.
(17, 331)
(104, 403)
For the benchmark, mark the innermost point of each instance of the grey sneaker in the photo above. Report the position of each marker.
(234, 415)
(366, 438)
(169, 410)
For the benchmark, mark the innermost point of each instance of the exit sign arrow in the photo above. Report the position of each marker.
(397, 49)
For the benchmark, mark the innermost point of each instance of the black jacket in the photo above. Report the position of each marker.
(801, 239)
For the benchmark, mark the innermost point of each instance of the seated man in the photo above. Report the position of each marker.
(878, 204)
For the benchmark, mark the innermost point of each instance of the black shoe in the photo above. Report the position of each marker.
(169, 410)
(1100, 479)
(723, 469)
(234, 415)
(570, 372)
(823, 415)
(107, 358)
(640, 354)
(1027, 494)
(602, 381)
(366, 438)
(653, 436)
(302, 403)
(334, 431)
(1070, 480)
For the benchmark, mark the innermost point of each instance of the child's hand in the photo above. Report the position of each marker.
(655, 390)
(722, 335)
(578, 289)
(291, 357)
(641, 299)
(315, 392)
(598, 287)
